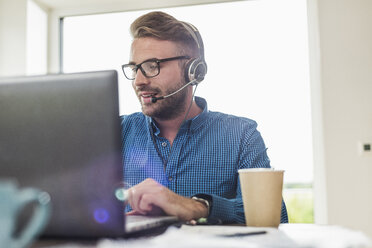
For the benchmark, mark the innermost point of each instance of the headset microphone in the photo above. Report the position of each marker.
(155, 99)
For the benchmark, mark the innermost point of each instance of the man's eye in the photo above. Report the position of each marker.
(153, 66)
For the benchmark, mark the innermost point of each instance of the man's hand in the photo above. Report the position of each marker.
(152, 198)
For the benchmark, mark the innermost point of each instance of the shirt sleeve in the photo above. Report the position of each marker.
(232, 210)
(252, 155)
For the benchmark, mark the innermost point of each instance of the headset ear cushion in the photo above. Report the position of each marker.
(195, 70)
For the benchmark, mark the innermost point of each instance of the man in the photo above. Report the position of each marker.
(180, 158)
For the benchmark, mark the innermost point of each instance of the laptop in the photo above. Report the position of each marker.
(61, 133)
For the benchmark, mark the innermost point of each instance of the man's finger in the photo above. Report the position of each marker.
(133, 212)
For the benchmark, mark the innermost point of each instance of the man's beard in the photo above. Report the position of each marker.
(170, 107)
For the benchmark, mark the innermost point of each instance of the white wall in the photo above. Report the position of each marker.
(345, 41)
(13, 24)
(37, 37)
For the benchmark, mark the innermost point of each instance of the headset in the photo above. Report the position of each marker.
(195, 69)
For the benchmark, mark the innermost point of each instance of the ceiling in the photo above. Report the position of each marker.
(58, 5)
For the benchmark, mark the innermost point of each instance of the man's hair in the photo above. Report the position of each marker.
(162, 26)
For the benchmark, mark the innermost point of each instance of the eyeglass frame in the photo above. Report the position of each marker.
(158, 61)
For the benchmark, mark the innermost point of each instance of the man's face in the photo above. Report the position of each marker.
(169, 79)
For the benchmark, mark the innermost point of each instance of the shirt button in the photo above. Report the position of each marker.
(170, 178)
(164, 144)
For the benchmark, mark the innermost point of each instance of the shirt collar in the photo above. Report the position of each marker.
(199, 120)
(193, 123)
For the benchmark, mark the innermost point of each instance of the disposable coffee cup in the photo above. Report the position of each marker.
(262, 196)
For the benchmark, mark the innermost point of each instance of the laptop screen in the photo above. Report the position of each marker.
(61, 134)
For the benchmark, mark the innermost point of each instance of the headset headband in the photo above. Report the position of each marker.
(196, 68)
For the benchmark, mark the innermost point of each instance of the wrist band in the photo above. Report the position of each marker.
(204, 201)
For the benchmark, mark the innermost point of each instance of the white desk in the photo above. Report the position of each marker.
(287, 236)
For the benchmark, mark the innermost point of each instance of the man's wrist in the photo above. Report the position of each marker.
(206, 200)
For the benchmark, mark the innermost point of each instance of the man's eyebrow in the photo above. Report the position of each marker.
(134, 63)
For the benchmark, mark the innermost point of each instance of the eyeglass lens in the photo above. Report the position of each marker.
(148, 68)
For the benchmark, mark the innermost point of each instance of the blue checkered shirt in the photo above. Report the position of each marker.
(205, 158)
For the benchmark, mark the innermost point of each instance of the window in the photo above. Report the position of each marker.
(267, 43)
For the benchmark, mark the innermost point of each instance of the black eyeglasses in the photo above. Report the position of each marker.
(149, 68)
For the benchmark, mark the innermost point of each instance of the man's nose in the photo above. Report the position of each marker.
(140, 79)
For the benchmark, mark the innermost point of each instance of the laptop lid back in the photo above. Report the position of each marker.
(61, 134)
